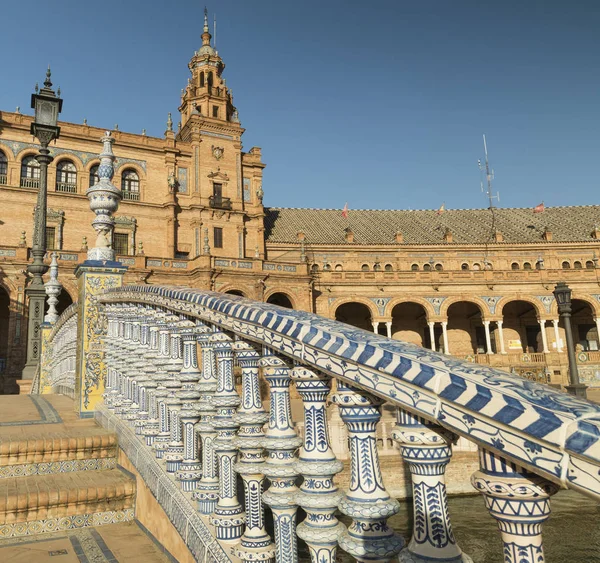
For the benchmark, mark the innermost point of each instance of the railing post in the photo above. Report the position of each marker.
(427, 448)
(369, 539)
(281, 443)
(228, 516)
(318, 495)
(207, 493)
(155, 388)
(190, 469)
(255, 544)
(520, 503)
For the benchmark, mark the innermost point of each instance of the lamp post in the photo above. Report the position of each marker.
(47, 106)
(562, 294)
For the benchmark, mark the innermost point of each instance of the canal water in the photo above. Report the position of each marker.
(571, 535)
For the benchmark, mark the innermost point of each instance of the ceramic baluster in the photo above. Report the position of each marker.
(520, 503)
(368, 539)
(318, 495)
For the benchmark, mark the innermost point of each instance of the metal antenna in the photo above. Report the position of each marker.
(489, 177)
(215, 30)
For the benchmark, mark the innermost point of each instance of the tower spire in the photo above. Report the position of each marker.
(206, 36)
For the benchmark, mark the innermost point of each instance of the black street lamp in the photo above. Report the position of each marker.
(562, 294)
(47, 106)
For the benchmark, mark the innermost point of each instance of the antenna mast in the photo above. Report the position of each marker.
(215, 30)
(489, 177)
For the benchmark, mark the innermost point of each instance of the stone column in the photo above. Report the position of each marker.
(427, 449)
(519, 501)
(557, 334)
(445, 335)
(256, 544)
(388, 327)
(488, 338)
(228, 516)
(375, 326)
(319, 495)
(369, 539)
(431, 326)
(207, 493)
(281, 443)
(597, 321)
(501, 337)
(544, 337)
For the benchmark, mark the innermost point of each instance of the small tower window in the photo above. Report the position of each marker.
(464, 266)
(566, 265)
(389, 268)
(218, 237)
(414, 268)
(589, 265)
(215, 111)
(427, 267)
(439, 267)
(526, 266)
(577, 265)
(514, 266)
(202, 80)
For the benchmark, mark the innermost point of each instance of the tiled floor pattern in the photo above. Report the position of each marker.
(114, 543)
(36, 409)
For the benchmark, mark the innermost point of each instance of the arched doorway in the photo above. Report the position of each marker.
(355, 314)
(4, 319)
(280, 299)
(235, 292)
(466, 333)
(585, 332)
(409, 324)
(521, 329)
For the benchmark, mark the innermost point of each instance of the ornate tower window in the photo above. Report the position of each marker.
(130, 185)
(218, 237)
(94, 175)
(66, 177)
(3, 168)
(30, 172)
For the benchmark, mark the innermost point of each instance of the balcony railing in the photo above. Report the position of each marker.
(132, 196)
(187, 420)
(219, 202)
(66, 187)
(30, 182)
(2, 179)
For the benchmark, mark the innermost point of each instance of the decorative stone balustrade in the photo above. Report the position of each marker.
(170, 393)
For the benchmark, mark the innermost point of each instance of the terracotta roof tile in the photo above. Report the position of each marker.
(468, 226)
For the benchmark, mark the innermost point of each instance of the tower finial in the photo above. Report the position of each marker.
(169, 122)
(48, 82)
(205, 19)
(206, 36)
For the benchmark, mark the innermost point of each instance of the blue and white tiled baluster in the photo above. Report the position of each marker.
(207, 492)
(520, 503)
(369, 539)
(255, 544)
(281, 443)
(228, 516)
(427, 448)
(154, 389)
(190, 469)
(318, 495)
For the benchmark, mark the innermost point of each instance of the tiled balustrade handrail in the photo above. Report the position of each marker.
(532, 439)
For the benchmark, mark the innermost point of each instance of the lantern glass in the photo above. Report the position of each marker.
(46, 111)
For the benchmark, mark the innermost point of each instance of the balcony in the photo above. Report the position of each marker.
(30, 182)
(66, 187)
(219, 202)
(131, 196)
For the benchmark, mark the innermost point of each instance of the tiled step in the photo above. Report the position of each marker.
(55, 448)
(49, 503)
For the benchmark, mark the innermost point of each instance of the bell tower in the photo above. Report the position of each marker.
(226, 183)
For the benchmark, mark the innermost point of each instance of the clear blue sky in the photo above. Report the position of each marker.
(381, 104)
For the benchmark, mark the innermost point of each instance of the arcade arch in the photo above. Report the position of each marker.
(355, 314)
(281, 299)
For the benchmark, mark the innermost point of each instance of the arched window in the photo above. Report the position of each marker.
(439, 267)
(389, 268)
(514, 266)
(338, 267)
(327, 267)
(201, 80)
(477, 266)
(377, 267)
(464, 266)
(94, 178)
(130, 185)
(66, 177)
(577, 265)
(414, 268)
(314, 268)
(589, 265)
(30, 172)
(365, 268)
(427, 267)
(3, 168)
(526, 265)
(566, 265)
